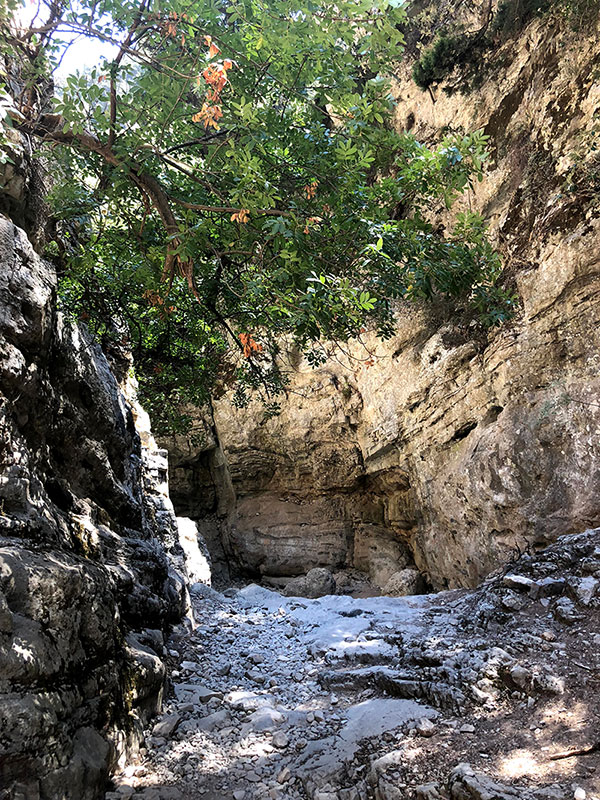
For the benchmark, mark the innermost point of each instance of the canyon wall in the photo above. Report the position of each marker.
(89, 557)
(454, 450)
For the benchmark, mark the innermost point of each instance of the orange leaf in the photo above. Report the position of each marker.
(227, 64)
(213, 51)
(208, 115)
(311, 189)
(242, 216)
(216, 76)
(249, 346)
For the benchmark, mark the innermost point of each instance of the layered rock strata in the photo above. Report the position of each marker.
(454, 450)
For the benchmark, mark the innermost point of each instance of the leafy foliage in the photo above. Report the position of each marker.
(579, 13)
(447, 53)
(228, 178)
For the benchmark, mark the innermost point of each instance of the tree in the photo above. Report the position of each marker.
(235, 179)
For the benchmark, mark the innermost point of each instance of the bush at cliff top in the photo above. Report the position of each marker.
(228, 174)
(465, 51)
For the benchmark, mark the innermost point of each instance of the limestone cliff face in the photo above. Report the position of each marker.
(86, 580)
(451, 450)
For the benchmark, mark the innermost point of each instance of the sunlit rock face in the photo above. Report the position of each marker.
(197, 557)
(86, 578)
(453, 451)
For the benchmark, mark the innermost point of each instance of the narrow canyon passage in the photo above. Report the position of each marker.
(263, 712)
(467, 694)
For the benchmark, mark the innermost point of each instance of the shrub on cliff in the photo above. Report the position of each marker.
(447, 53)
(464, 52)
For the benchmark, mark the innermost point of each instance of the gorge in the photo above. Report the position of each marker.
(404, 601)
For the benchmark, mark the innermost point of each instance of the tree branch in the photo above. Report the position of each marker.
(201, 140)
(114, 69)
(50, 127)
(272, 212)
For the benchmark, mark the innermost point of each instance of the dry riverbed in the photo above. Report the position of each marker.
(490, 694)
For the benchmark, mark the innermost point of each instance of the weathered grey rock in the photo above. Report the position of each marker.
(585, 589)
(548, 587)
(284, 775)
(214, 721)
(280, 740)
(316, 583)
(513, 601)
(518, 582)
(407, 581)
(325, 759)
(255, 675)
(85, 529)
(195, 693)
(246, 700)
(565, 611)
(521, 677)
(266, 719)
(466, 784)
(548, 683)
(428, 791)
(166, 725)
(385, 762)
(425, 727)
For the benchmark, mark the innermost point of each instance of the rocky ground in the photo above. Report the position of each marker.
(490, 694)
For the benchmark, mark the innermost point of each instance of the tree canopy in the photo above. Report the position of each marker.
(229, 176)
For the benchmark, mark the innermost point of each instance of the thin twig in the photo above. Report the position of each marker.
(580, 751)
(115, 68)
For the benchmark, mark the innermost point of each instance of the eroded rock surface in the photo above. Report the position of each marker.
(86, 582)
(452, 452)
(462, 695)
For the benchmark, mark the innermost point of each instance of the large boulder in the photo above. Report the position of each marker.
(317, 582)
(466, 784)
(406, 581)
